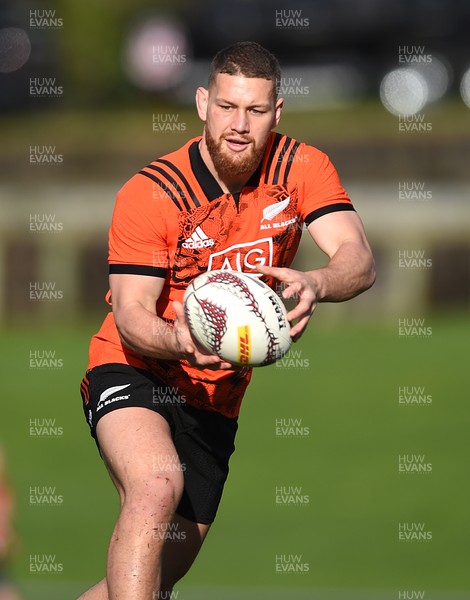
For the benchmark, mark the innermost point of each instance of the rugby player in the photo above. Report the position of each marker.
(164, 414)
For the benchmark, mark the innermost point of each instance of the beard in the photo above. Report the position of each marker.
(231, 166)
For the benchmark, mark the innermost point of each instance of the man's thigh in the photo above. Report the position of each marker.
(165, 437)
(137, 448)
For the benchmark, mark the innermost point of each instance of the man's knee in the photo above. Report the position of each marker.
(158, 496)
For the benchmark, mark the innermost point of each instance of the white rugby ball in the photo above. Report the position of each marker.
(238, 317)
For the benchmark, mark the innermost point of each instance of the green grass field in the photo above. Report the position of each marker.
(340, 393)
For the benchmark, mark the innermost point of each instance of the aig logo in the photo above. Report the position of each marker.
(243, 257)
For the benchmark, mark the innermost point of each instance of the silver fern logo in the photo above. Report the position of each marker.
(274, 209)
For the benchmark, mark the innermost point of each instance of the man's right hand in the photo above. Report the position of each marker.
(188, 347)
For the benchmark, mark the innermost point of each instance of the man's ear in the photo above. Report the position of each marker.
(278, 110)
(202, 96)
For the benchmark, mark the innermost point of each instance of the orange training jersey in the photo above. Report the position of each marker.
(172, 220)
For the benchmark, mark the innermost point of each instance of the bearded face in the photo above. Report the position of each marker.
(239, 114)
(229, 163)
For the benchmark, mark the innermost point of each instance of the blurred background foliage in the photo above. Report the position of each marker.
(337, 53)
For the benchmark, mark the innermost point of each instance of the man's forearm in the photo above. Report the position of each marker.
(348, 273)
(145, 333)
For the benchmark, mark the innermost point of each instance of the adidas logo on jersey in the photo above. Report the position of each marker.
(198, 240)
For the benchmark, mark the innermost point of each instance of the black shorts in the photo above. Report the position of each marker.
(204, 439)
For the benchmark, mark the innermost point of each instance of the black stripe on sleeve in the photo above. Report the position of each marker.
(280, 159)
(183, 179)
(173, 182)
(325, 210)
(277, 139)
(164, 187)
(138, 270)
(290, 160)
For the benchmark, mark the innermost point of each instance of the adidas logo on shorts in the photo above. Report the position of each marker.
(198, 240)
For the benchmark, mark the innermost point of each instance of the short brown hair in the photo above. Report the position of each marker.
(248, 59)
